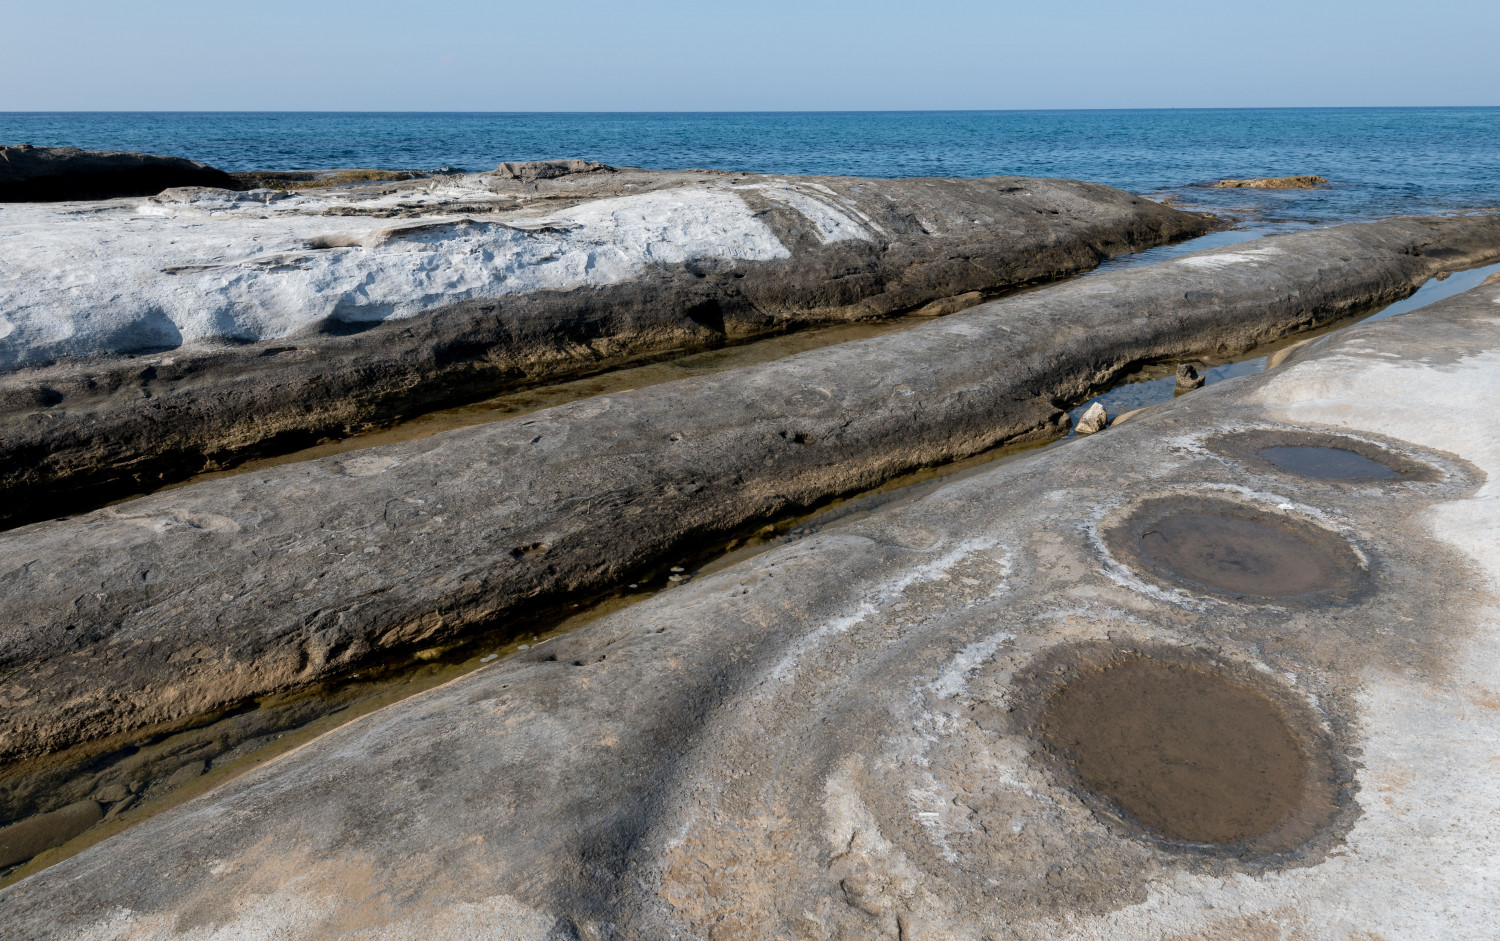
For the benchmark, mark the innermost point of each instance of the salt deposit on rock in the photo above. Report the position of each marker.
(126, 277)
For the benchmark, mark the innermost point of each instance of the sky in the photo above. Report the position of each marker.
(813, 55)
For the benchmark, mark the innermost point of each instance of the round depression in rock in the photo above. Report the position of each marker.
(1189, 753)
(1320, 456)
(1228, 547)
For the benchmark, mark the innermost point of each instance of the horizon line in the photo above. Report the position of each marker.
(749, 111)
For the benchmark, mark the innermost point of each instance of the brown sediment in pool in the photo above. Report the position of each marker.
(1181, 750)
(1229, 547)
(1323, 457)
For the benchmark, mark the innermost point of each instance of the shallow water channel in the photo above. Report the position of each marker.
(1157, 383)
(86, 797)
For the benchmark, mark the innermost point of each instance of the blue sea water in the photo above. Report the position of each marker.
(1381, 161)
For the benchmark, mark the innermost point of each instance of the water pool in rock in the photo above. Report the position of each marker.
(1187, 753)
(1235, 548)
(1321, 462)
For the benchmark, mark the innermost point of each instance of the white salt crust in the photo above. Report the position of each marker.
(195, 267)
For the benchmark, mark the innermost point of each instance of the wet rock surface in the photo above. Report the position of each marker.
(1275, 183)
(152, 614)
(205, 327)
(55, 174)
(832, 740)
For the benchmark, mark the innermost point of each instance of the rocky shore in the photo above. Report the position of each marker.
(875, 732)
(104, 618)
(199, 328)
(1223, 670)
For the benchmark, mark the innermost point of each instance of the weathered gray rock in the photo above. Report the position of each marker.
(176, 605)
(529, 171)
(833, 740)
(52, 174)
(1188, 378)
(291, 318)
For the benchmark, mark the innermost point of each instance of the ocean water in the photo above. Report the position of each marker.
(1381, 161)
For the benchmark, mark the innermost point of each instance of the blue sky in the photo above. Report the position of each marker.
(587, 55)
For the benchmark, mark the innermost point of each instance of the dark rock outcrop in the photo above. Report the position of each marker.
(53, 174)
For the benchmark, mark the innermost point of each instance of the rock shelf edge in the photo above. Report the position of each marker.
(201, 328)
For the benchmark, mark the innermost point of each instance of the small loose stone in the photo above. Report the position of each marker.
(1093, 420)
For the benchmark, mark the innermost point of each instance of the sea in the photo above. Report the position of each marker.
(1379, 161)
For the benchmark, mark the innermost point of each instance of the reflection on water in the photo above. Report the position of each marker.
(1228, 237)
(1321, 462)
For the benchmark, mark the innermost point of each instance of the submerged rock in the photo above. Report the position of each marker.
(950, 305)
(1275, 183)
(308, 570)
(21, 841)
(205, 327)
(53, 174)
(914, 725)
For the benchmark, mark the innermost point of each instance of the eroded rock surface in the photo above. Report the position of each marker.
(285, 318)
(54, 174)
(178, 604)
(840, 739)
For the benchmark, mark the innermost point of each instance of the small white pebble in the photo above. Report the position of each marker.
(492, 656)
(524, 647)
